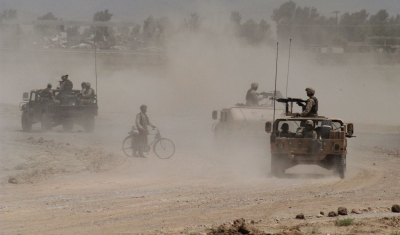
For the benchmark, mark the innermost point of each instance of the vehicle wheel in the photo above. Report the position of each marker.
(68, 125)
(164, 148)
(277, 166)
(26, 122)
(127, 146)
(339, 162)
(46, 122)
(88, 126)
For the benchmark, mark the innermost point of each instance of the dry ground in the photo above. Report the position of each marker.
(79, 183)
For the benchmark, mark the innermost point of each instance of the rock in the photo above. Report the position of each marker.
(342, 211)
(300, 216)
(321, 213)
(396, 208)
(354, 211)
(12, 180)
(332, 214)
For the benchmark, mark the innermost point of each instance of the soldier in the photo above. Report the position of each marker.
(83, 87)
(65, 86)
(252, 98)
(48, 94)
(285, 130)
(307, 131)
(87, 95)
(311, 109)
(142, 122)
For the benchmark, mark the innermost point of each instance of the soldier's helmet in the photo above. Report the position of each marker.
(88, 84)
(285, 127)
(254, 85)
(309, 122)
(49, 85)
(310, 90)
(143, 106)
(64, 77)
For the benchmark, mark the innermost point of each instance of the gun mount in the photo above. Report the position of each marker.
(298, 101)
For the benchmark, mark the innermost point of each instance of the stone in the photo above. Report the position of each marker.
(396, 208)
(342, 211)
(300, 216)
(332, 214)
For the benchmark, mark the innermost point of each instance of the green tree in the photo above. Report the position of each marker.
(354, 26)
(378, 23)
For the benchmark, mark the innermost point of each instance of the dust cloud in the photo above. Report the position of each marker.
(201, 73)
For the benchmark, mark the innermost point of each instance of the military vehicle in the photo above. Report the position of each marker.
(329, 150)
(241, 122)
(68, 112)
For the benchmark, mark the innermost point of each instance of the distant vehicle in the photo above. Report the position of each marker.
(241, 122)
(329, 150)
(37, 109)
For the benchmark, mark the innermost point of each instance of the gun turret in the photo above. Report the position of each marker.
(298, 101)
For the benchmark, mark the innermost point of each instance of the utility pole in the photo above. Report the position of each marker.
(337, 22)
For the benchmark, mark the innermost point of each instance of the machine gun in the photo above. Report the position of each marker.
(298, 101)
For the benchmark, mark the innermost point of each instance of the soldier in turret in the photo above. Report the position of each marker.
(311, 107)
(65, 86)
(252, 98)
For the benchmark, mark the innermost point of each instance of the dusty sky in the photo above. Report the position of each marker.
(177, 10)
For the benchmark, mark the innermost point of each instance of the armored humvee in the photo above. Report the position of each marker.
(242, 122)
(329, 150)
(68, 112)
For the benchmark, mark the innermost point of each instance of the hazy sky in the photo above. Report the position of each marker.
(176, 10)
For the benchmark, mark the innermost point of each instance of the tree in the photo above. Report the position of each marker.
(378, 23)
(235, 17)
(354, 25)
(47, 30)
(101, 32)
(283, 17)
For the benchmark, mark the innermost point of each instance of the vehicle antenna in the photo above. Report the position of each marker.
(276, 76)
(95, 67)
(287, 79)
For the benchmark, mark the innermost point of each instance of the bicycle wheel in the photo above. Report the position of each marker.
(127, 146)
(164, 148)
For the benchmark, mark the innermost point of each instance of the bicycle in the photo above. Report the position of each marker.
(162, 147)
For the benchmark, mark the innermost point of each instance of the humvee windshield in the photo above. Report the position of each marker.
(295, 125)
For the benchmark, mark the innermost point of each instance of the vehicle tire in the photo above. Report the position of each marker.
(88, 125)
(45, 122)
(26, 122)
(164, 148)
(127, 146)
(339, 162)
(68, 125)
(277, 166)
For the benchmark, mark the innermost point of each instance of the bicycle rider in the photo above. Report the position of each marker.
(142, 122)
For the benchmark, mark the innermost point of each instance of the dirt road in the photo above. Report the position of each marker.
(79, 183)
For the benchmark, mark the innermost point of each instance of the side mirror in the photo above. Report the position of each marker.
(268, 127)
(214, 115)
(25, 96)
(350, 128)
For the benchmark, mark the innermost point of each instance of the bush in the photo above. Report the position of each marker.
(344, 222)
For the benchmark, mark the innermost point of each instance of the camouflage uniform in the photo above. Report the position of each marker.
(307, 133)
(65, 86)
(87, 95)
(252, 98)
(311, 109)
(48, 95)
